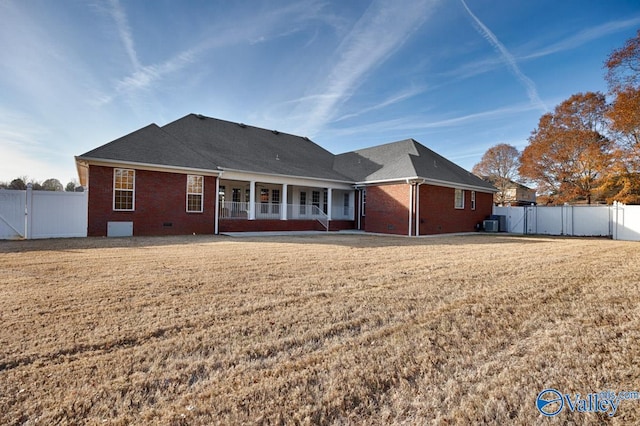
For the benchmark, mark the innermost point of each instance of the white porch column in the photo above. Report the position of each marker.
(252, 200)
(329, 203)
(283, 214)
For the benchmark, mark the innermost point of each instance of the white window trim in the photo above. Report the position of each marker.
(363, 201)
(201, 194)
(133, 191)
(457, 207)
(473, 200)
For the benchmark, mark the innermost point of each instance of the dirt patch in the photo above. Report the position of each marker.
(315, 329)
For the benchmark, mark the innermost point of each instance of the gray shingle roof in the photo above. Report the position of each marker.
(199, 142)
(401, 160)
(195, 141)
(242, 147)
(150, 145)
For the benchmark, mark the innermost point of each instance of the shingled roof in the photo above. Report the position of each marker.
(199, 142)
(406, 159)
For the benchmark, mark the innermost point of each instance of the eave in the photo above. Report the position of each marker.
(83, 163)
(421, 180)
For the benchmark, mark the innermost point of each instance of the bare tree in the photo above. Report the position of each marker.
(499, 165)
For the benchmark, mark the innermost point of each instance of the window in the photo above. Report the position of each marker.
(264, 200)
(221, 193)
(235, 195)
(124, 189)
(315, 201)
(345, 208)
(303, 202)
(275, 201)
(473, 200)
(364, 200)
(325, 201)
(459, 199)
(195, 193)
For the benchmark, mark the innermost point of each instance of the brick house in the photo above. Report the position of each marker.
(203, 175)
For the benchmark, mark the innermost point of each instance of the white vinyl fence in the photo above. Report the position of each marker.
(619, 221)
(42, 214)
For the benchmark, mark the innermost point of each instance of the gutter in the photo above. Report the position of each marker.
(436, 182)
(84, 162)
(223, 169)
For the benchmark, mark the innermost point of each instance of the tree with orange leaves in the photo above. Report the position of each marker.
(622, 183)
(568, 153)
(623, 66)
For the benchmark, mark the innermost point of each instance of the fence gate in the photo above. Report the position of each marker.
(42, 214)
(12, 214)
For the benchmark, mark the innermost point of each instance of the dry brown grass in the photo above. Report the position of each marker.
(321, 329)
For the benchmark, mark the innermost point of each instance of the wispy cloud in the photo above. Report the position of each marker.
(581, 37)
(124, 32)
(396, 98)
(411, 124)
(251, 29)
(508, 58)
(382, 29)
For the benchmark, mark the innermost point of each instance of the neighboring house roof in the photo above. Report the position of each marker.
(405, 159)
(199, 142)
(512, 184)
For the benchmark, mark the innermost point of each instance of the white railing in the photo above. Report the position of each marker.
(320, 216)
(234, 210)
(273, 211)
(268, 210)
(341, 213)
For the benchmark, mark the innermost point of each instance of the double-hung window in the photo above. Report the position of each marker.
(473, 200)
(315, 201)
(195, 193)
(124, 189)
(459, 199)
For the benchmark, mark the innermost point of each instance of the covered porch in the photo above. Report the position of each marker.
(279, 205)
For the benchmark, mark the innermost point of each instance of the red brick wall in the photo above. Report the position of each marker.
(386, 209)
(438, 214)
(160, 200)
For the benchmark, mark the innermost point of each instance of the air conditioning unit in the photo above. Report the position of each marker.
(490, 225)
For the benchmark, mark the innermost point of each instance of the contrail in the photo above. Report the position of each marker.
(532, 92)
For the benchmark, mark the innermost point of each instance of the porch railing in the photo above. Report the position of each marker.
(240, 210)
(234, 210)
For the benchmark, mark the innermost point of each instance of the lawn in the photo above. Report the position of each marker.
(315, 329)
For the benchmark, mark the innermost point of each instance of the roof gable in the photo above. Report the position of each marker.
(404, 160)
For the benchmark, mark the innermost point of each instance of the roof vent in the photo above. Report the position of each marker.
(242, 125)
(307, 139)
(277, 157)
(275, 132)
(200, 116)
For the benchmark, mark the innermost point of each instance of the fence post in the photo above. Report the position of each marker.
(27, 212)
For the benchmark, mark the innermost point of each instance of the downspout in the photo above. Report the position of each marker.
(358, 208)
(418, 209)
(410, 204)
(216, 215)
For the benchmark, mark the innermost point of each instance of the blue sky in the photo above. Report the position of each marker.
(458, 76)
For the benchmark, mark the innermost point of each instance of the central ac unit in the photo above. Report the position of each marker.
(490, 225)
